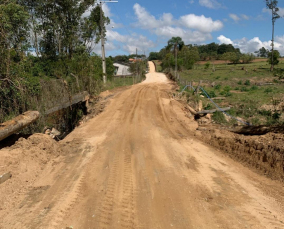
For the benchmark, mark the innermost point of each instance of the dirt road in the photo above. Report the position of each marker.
(138, 165)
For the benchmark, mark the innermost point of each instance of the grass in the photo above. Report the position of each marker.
(120, 82)
(242, 86)
(158, 65)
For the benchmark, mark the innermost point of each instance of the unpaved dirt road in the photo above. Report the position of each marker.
(138, 165)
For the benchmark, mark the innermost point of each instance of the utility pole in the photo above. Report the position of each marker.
(137, 65)
(272, 44)
(176, 60)
(103, 40)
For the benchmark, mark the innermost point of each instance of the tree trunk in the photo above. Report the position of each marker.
(10, 127)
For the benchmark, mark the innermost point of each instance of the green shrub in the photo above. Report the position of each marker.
(217, 87)
(244, 89)
(247, 82)
(265, 113)
(254, 87)
(227, 88)
(240, 82)
(226, 91)
(207, 65)
(212, 94)
(268, 90)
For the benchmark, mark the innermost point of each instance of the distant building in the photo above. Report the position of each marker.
(135, 60)
(121, 70)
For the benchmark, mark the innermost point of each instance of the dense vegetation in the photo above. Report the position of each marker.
(188, 55)
(46, 51)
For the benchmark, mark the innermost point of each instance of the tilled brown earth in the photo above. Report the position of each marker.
(135, 165)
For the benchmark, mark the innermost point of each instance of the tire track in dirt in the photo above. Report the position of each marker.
(120, 188)
(105, 212)
(127, 203)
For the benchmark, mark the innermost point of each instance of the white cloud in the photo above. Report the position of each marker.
(145, 19)
(191, 27)
(245, 17)
(188, 36)
(224, 40)
(140, 42)
(254, 44)
(212, 4)
(201, 23)
(234, 17)
(129, 43)
(240, 17)
(191, 2)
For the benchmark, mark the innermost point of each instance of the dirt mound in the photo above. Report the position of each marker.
(264, 153)
(25, 160)
(105, 94)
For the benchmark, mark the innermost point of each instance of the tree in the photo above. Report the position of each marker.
(168, 61)
(262, 52)
(60, 27)
(247, 58)
(232, 57)
(177, 43)
(14, 32)
(276, 56)
(154, 56)
(223, 48)
(188, 56)
(272, 5)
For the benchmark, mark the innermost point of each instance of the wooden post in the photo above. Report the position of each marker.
(198, 87)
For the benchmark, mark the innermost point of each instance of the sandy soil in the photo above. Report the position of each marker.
(138, 164)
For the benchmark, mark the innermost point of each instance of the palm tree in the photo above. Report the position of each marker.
(272, 5)
(177, 43)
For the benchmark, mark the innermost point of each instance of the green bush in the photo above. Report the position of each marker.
(226, 91)
(217, 87)
(212, 94)
(244, 89)
(247, 82)
(207, 65)
(268, 90)
(254, 87)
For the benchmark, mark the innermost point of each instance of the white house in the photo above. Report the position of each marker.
(121, 70)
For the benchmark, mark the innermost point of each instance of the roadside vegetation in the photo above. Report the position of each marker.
(242, 81)
(46, 54)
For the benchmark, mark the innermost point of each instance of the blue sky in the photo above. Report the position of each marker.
(148, 24)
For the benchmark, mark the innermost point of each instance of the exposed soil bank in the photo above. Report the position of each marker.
(264, 153)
